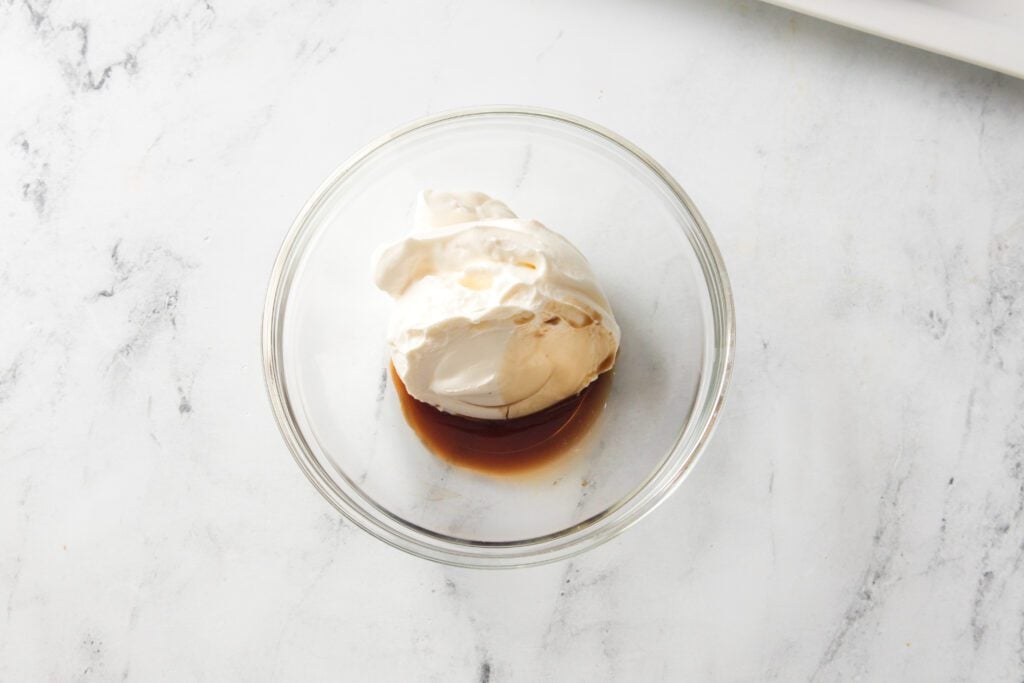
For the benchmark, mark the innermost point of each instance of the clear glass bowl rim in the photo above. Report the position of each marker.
(569, 541)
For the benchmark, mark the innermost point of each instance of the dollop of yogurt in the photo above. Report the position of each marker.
(495, 316)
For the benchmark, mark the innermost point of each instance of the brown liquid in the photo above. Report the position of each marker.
(505, 446)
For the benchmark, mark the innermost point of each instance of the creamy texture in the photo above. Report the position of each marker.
(495, 316)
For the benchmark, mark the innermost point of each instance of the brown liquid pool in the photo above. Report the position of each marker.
(505, 446)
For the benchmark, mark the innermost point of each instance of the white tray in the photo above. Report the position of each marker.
(988, 33)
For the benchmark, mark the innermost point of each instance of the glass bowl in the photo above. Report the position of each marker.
(326, 360)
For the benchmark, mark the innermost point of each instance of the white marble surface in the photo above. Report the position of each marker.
(859, 515)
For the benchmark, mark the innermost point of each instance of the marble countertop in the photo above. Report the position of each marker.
(858, 516)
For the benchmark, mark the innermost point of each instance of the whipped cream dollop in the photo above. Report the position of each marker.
(495, 316)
